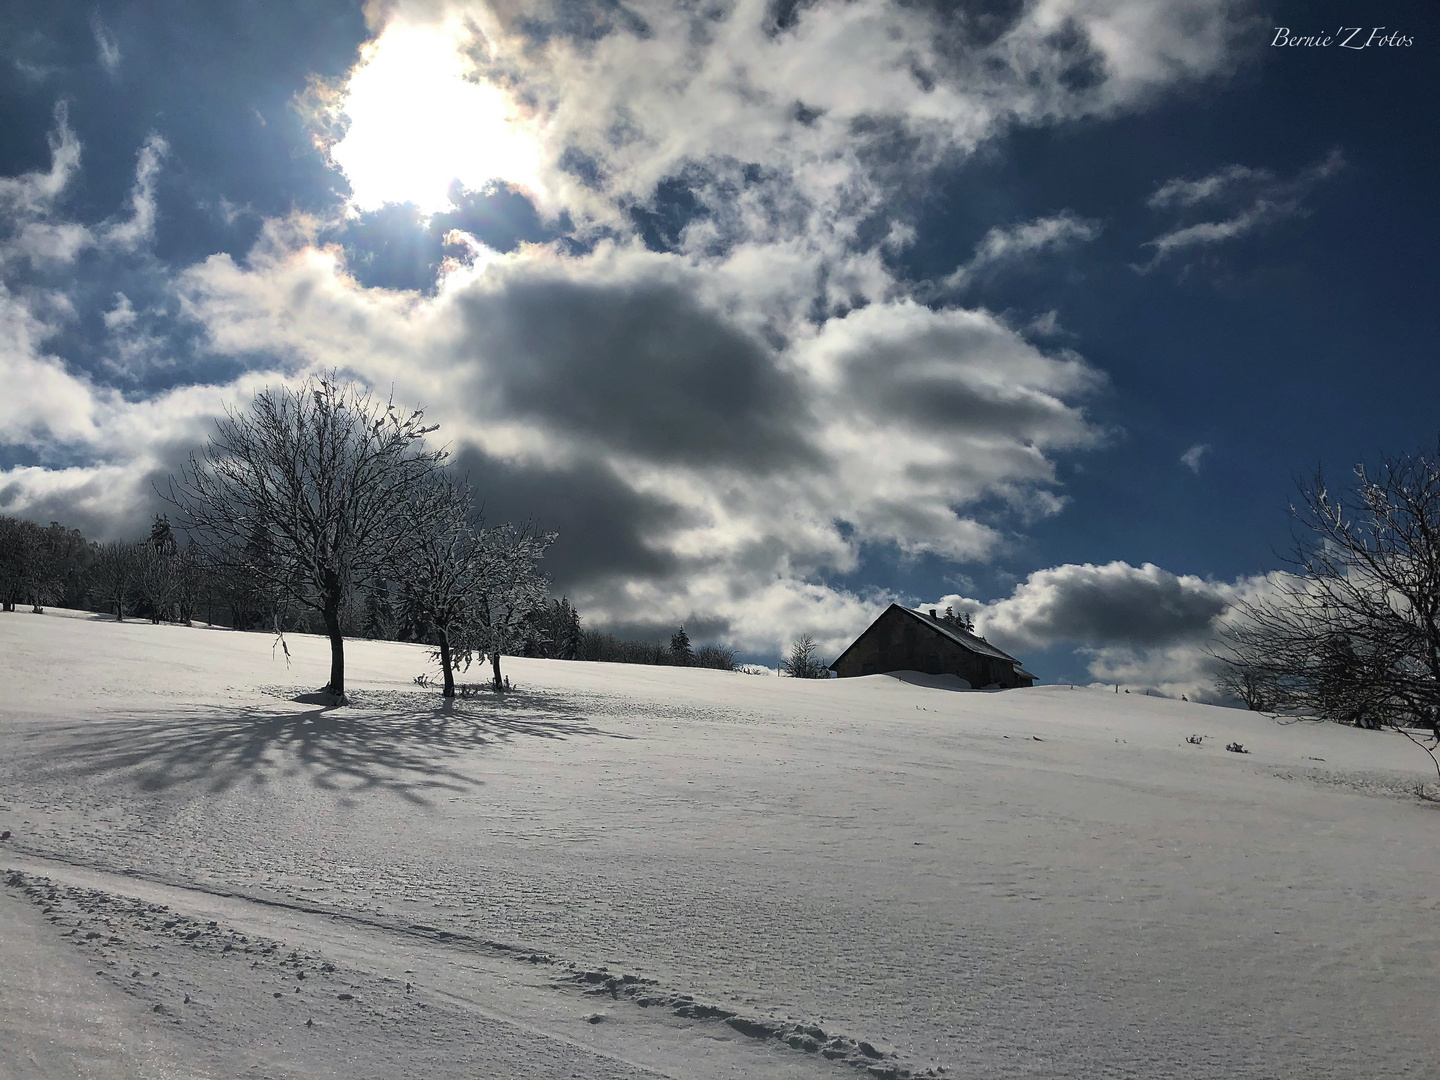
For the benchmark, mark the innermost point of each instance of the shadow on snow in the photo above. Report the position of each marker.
(406, 744)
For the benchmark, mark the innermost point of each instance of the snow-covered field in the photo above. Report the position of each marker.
(622, 871)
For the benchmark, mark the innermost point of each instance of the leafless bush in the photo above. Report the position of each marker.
(1352, 632)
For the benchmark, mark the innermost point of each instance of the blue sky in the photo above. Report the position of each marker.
(776, 311)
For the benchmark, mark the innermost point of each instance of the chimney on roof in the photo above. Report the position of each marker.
(932, 613)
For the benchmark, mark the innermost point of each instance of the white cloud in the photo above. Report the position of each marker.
(139, 228)
(32, 230)
(1115, 604)
(1254, 197)
(32, 195)
(122, 315)
(1002, 246)
(1182, 192)
(107, 49)
(1191, 458)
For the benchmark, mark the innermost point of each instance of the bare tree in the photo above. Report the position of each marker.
(554, 631)
(1247, 685)
(189, 582)
(113, 573)
(510, 589)
(803, 663)
(443, 565)
(307, 493)
(1352, 632)
(18, 551)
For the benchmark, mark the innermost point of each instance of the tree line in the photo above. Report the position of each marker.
(53, 565)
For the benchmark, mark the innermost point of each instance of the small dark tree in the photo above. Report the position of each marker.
(113, 574)
(719, 657)
(307, 492)
(162, 537)
(803, 663)
(567, 624)
(19, 555)
(13, 557)
(70, 556)
(158, 573)
(553, 631)
(680, 652)
(964, 620)
(381, 623)
(155, 580)
(1246, 685)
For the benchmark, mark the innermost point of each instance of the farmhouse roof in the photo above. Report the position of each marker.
(966, 640)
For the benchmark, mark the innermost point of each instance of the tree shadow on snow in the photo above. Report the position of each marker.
(404, 744)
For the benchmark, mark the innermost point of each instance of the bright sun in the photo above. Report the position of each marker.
(417, 123)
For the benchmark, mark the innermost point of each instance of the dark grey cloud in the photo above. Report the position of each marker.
(608, 530)
(1099, 607)
(967, 374)
(640, 368)
(943, 402)
(90, 505)
(700, 630)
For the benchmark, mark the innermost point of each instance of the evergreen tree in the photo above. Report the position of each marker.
(162, 538)
(568, 647)
(680, 652)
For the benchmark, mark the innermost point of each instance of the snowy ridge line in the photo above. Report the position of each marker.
(808, 1038)
(639, 991)
(239, 997)
(1375, 783)
(61, 900)
(429, 933)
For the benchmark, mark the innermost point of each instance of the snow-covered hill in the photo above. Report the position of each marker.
(798, 878)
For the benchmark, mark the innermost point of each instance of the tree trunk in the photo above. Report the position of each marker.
(331, 613)
(446, 667)
(495, 667)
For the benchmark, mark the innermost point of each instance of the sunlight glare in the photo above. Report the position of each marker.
(417, 123)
